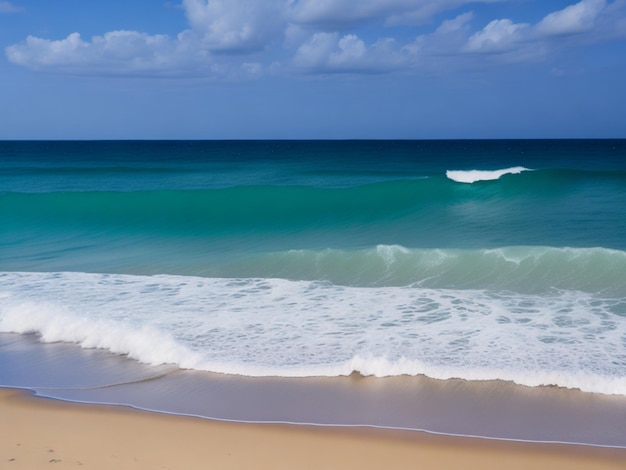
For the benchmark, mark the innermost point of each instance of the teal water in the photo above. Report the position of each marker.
(324, 258)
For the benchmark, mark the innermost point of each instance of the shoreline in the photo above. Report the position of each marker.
(46, 431)
(297, 424)
(489, 410)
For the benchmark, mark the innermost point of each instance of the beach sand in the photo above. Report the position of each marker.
(44, 433)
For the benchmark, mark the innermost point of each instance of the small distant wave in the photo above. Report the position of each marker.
(472, 176)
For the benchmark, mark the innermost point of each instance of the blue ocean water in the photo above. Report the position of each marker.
(470, 259)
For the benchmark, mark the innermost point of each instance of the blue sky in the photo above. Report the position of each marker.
(294, 69)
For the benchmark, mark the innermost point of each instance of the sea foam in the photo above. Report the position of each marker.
(472, 176)
(277, 327)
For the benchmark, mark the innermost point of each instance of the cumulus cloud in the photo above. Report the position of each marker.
(586, 21)
(573, 19)
(247, 38)
(115, 53)
(218, 29)
(497, 36)
(445, 40)
(455, 24)
(335, 52)
(330, 52)
(236, 25)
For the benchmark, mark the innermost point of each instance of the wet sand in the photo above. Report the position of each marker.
(45, 433)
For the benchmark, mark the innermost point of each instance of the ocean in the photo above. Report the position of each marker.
(477, 260)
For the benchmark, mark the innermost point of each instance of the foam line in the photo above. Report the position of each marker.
(278, 327)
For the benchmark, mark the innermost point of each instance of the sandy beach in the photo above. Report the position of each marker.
(39, 433)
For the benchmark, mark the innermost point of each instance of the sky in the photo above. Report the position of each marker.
(312, 69)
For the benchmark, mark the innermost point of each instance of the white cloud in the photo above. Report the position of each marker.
(35, 52)
(330, 52)
(114, 53)
(316, 50)
(351, 49)
(497, 36)
(585, 22)
(8, 7)
(247, 38)
(333, 52)
(446, 40)
(589, 19)
(236, 25)
(455, 24)
(573, 19)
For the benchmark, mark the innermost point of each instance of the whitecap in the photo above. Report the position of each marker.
(472, 176)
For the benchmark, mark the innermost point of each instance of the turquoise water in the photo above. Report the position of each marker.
(324, 258)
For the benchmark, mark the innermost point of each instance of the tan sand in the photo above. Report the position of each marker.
(42, 433)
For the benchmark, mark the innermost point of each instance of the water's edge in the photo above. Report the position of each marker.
(491, 409)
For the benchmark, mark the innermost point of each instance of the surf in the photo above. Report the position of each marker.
(280, 327)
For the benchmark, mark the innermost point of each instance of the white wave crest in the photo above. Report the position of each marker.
(54, 323)
(472, 176)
